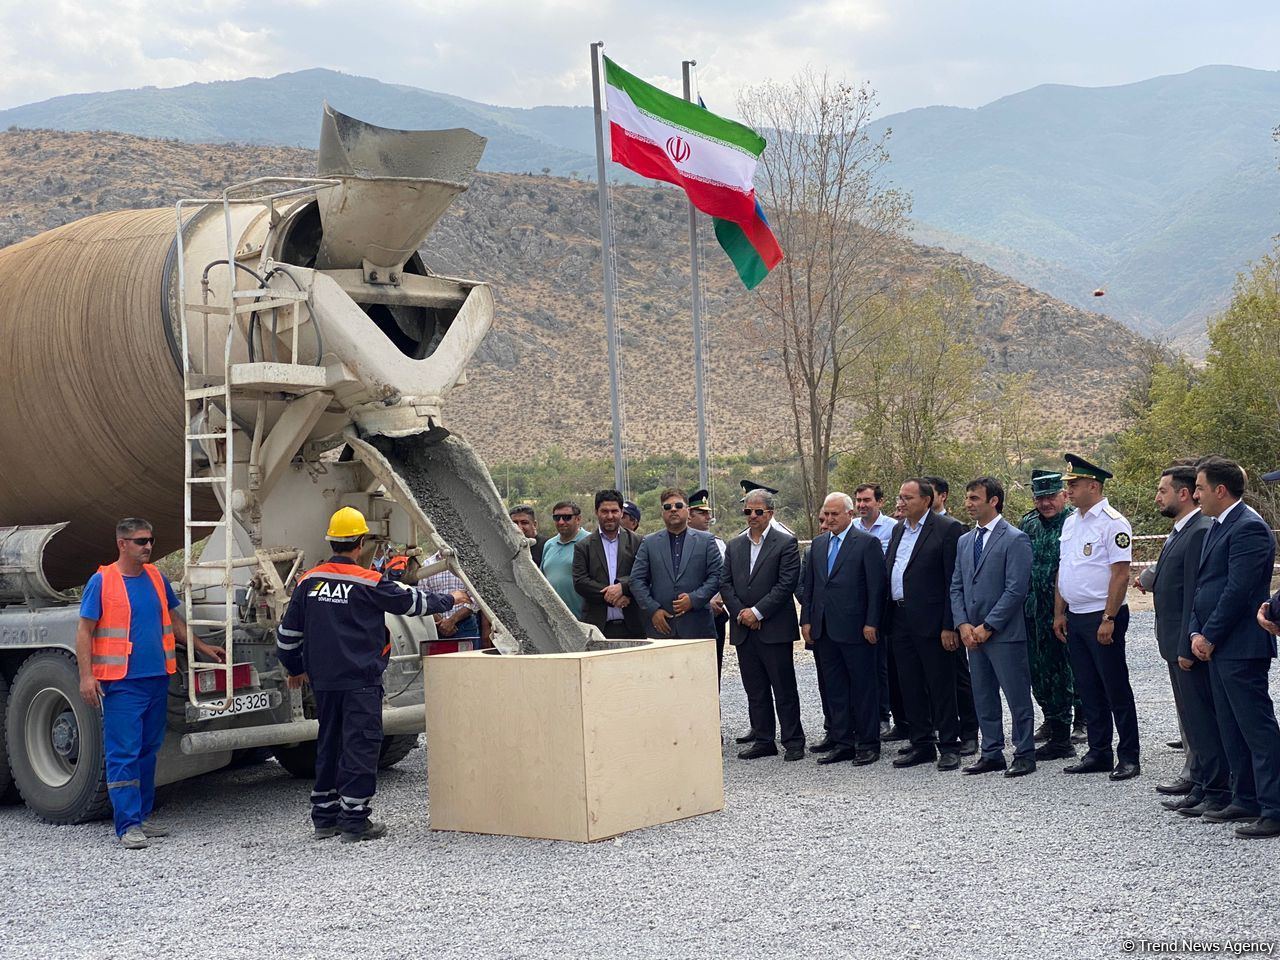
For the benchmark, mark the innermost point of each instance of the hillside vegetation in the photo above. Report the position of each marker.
(540, 378)
(1158, 191)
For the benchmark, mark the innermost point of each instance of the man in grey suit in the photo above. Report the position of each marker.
(676, 573)
(988, 588)
(1172, 581)
(761, 572)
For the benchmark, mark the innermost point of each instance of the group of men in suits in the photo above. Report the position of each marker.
(1216, 626)
(949, 600)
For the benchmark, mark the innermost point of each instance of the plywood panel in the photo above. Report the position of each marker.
(504, 745)
(651, 734)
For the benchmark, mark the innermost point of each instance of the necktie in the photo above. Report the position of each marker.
(833, 551)
(977, 547)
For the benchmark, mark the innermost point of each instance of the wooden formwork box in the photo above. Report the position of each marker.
(574, 746)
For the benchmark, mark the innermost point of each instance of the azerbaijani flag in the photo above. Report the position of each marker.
(712, 159)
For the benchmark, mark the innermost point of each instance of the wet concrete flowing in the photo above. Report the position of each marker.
(456, 492)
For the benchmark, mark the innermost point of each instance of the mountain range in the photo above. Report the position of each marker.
(1158, 192)
(539, 380)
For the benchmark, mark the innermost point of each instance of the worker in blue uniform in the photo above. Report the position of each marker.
(334, 635)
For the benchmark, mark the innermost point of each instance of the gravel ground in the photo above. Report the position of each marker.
(804, 861)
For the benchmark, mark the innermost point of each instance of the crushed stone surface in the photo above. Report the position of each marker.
(804, 861)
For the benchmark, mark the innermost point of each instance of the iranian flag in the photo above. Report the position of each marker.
(712, 159)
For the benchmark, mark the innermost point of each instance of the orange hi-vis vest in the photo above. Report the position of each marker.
(111, 644)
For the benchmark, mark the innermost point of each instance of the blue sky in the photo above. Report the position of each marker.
(526, 52)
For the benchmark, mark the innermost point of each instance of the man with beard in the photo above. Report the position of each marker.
(602, 572)
(1172, 582)
(1051, 679)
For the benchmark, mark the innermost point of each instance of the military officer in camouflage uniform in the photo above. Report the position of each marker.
(1051, 680)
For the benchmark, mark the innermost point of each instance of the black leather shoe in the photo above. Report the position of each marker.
(905, 749)
(1177, 787)
(759, 750)
(1042, 732)
(1055, 751)
(748, 737)
(1021, 766)
(1091, 763)
(884, 728)
(839, 756)
(949, 761)
(1178, 804)
(1231, 813)
(968, 746)
(825, 745)
(864, 757)
(896, 732)
(914, 758)
(794, 753)
(1175, 744)
(1200, 809)
(1261, 828)
(1126, 770)
(1078, 733)
(985, 765)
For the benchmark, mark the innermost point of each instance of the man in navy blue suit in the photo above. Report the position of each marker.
(1233, 583)
(675, 574)
(842, 594)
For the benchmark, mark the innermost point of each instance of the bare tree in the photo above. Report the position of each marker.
(823, 185)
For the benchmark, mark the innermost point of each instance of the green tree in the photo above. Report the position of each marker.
(1230, 406)
(932, 406)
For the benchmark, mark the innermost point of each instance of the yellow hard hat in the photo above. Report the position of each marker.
(347, 524)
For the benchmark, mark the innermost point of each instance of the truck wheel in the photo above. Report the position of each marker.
(55, 741)
(395, 749)
(299, 760)
(7, 792)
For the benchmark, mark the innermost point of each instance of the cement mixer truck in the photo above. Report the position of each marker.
(235, 369)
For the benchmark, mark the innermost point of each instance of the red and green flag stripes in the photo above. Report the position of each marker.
(712, 159)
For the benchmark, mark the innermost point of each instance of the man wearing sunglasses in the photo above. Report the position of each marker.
(761, 573)
(126, 648)
(557, 554)
(676, 573)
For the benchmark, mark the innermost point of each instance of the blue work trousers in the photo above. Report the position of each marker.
(347, 751)
(133, 725)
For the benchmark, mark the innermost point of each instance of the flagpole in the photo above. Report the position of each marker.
(699, 393)
(606, 258)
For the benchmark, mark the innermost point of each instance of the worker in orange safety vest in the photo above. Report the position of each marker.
(126, 649)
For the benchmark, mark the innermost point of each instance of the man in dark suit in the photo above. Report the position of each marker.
(761, 571)
(1234, 580)
(841, 605)
(990, 584)
(676, 573)
(921, 563)
(602, 572)
(1204, 783)
(826, 743)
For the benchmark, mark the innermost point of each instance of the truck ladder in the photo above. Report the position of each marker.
(208, 394)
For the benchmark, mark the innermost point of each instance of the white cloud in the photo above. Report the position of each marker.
(530, 52)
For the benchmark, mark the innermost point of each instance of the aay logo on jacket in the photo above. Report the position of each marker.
(326, 592)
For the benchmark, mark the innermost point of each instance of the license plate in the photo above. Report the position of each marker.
(241, 703)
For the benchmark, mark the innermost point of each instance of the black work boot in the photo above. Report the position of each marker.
(372, 831)
(1058, 746)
